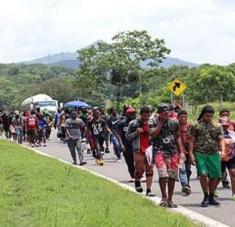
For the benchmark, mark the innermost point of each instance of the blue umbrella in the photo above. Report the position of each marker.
(76, 104)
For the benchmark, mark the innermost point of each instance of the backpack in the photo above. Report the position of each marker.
(32, 123)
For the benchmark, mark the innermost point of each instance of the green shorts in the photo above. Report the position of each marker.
(208, 164)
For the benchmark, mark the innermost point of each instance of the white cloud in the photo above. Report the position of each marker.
(196, 30)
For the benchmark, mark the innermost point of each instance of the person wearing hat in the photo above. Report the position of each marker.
(166, 149)
(228, 162)
(130, 114)
(206, 139)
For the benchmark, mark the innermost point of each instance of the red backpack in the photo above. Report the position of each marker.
(31, 123)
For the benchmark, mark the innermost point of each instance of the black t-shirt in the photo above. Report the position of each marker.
(112, 123)
(97, 127)
(166, 140)
(122, 129)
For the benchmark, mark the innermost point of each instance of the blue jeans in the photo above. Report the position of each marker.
(185, 173)
(116, 145)
(19, 133)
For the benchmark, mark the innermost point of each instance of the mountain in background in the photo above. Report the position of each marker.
(70, 60)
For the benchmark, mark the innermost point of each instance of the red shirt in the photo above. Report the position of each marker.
(184, 135)
(144, 138)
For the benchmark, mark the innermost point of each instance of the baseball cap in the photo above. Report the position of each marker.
(130, 109)
(162, 107)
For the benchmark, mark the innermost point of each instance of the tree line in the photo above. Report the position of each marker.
(125, 70)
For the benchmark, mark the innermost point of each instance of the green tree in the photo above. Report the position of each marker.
(130, 55)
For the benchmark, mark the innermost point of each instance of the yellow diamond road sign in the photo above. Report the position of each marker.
(176, 87)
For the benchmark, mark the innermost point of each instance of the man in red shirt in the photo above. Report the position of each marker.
(138, 134)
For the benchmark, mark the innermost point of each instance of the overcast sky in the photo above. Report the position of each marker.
(200, 31)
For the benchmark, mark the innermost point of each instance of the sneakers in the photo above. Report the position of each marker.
(138, 186)
(107, 150)
(94, 154)
(149, 193)
(209, 200)
(225, 184)
(213, 202)
(186, 190)
(82, 163)
(119, 160)
(99, 162)
(74, 163)
(205, 202)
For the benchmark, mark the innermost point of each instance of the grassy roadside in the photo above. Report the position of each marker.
(39, 191)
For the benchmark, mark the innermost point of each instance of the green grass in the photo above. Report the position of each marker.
(39, 191)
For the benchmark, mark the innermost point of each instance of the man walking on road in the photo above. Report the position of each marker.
(125, 144)
(97, 128)
(167, 148)
(112, 123)
(185, 169)
(73, 127)
(206, 140)
(138, 134)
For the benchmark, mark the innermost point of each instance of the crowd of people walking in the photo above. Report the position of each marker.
(163, 138)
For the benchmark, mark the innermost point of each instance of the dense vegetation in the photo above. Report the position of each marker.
(126, 70)
(18, 82)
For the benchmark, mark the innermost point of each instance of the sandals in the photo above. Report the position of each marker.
(170, 204)
(163, 203)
